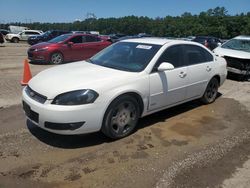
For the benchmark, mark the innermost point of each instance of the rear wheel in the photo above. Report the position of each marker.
(211, 91)
(56, 58)
(121, 117)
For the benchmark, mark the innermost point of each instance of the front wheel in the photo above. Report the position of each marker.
(15, 40)
(211, 91)
(56, 58)
(121, 117)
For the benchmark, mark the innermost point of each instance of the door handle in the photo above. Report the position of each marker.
(182, 74)
(208, 68)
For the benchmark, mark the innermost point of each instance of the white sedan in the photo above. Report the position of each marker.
(237, 54)
(122, 83)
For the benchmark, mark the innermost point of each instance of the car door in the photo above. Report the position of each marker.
(169, 87)
(22, 35)
(91, 46)
(200, 68)
(74, 50)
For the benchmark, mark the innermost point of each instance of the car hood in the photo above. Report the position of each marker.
(12, 35)
(231, 53)
(42, 45)
(75, 76)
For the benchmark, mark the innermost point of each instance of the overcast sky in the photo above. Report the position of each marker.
(70, 10)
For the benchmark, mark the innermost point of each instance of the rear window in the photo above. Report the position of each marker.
(196, 54)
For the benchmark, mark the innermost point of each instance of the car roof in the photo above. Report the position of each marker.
(158, 41)
(243, 37)
(32, 31)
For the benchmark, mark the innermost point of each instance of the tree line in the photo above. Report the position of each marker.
(214, 22)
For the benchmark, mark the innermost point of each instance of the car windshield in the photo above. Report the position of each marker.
(59, 39)
(238, 44)
(46, 33)
(126, 56)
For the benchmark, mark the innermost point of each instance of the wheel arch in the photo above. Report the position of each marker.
(134, 94)
(56, 51)
(217, 77)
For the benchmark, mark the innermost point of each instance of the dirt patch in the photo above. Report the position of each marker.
(216, 172)
(138, 160)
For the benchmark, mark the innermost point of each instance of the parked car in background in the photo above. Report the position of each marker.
(48, 35)
(140, 35)
(127, 80)
(115, 37)
(22, 36)
(4, 32)
(209, 42)
(67, 48)
(1, 38)
(237, 54)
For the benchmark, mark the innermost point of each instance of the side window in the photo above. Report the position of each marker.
(196, 54)
(91, 39)
(173, 55)
(76, 40)
(31, 33)
(84, 39)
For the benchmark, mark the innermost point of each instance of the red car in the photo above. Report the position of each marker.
(67, 48)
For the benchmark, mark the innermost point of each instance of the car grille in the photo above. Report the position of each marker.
(241, 64)
(30, 54)
(31, 50)
(35, 96)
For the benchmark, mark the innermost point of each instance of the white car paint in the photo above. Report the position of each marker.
(234, 53)
(158, 90)
(220, 51)
(24, 35)
(231, 53)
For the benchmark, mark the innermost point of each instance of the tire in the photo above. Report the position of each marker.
(211, 91)
(56, 58)
(15, 40)
(121, 117)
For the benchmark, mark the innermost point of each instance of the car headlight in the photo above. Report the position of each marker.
(77, 97)
(41, 49)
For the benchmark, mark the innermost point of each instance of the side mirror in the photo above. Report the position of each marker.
(165, 66)
(70, 43)
(219, 44)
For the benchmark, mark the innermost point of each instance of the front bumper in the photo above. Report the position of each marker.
(238, 66)
(38, 56)
(237, 71)
(79, 119)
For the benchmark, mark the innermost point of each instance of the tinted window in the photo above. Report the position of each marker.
(196, 54)
(173, 55)
(200, 39)
(91, 38)
(31, 33)
(77, 39)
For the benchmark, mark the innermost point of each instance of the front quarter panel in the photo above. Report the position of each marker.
(138, 85)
